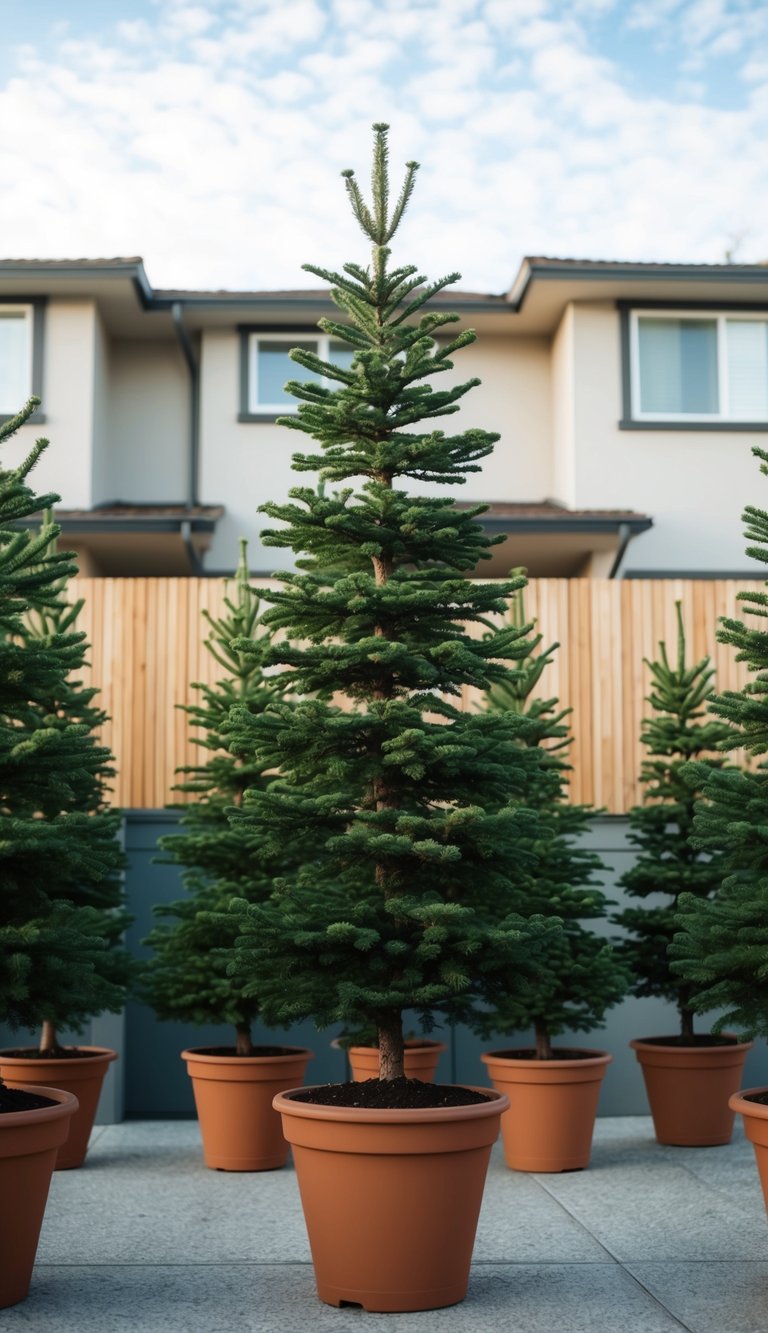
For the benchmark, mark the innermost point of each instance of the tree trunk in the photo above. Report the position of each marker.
(243, 1044)
(391, 1048)
(686, 1023)
(543, 1043)
(48, 1040)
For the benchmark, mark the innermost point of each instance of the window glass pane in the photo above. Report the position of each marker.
(747, 343)
(678, 366)
(341, 354)
(274, 368)
(15, 387)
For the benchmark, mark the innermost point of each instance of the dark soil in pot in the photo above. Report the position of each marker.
(558, 1053)
(16, 1099)
(700, 1039)
(230, 1051)
(63, 1053)
(403, 1094)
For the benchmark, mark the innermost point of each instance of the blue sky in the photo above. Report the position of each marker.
(208, 136)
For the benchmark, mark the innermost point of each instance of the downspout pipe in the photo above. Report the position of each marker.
(193, 366)
(625, 537)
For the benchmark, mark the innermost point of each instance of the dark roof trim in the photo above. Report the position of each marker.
(565, 523)
(609, 270)
(737, 575)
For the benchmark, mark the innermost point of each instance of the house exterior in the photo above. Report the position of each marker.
(628, 398)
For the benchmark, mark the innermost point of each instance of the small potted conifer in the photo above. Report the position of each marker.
(48, 947)
(553, 1090)
(721, 946)
(94, 884)
(412, 802)
(186, 978)
(689, 1076)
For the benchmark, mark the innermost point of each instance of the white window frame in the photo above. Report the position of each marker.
(322, 343)
(28, 311)
(721, 318)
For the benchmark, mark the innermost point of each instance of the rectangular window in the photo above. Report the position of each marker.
(708, 367)
(15, 357)
(270, 367)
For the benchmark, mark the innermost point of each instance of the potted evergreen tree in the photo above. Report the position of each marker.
(720, 948)
(69, 703)
(688, 1076)
(48, 946)
(186, 978)
(553, 1090)
(412, 802)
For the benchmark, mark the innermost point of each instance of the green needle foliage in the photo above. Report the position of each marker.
(412, 804)
(669, 864)
(578, 975)
(59, 858)
(187, 978)
(721, 948)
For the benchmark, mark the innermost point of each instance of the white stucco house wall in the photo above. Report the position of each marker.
(628, 398)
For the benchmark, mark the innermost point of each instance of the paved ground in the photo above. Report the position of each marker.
(144, 1239)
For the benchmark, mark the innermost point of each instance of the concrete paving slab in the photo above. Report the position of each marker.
(145, 1196)
(145, 1239)
(644, 1211)
(594, 1298)
(521, 1223)
(711, 1297)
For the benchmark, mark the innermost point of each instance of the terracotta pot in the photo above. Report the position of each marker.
(233, 1096)
(421, 1059)
(391, 1198)
(29, 1142)
(553, 1105)
(82, 1075)
(755, 1117)
(688, 1089)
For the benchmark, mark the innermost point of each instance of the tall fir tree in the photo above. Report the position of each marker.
(412, 803)
(578, 976)
(676, 732)
(187, 979)
(721, 946)
(58, 851)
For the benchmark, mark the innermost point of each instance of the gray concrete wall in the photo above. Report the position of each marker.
(150, 1079)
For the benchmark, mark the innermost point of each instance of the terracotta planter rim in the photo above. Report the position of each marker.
(70, 1061)
(243, 1061)
(589, 1058)
(655, 1044)
(66, 1104)
(495, 1103)
(738, 1102)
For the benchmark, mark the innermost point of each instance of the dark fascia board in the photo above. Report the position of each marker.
(133, 270)
(566, 523)
(530, 271)
(98, 524)
(737, 575)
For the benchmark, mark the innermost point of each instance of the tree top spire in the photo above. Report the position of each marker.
(375, 221)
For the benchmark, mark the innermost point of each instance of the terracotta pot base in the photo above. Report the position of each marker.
(233, 1094)
(29, 1143)
(689, 1088)
(391, 1198)
(553, 1103)
(83, 1076)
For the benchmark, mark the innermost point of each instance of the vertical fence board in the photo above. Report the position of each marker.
(147, 640)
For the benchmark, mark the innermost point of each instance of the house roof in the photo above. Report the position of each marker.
(534, 304)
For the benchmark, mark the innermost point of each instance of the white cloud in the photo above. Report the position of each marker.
(210, 140)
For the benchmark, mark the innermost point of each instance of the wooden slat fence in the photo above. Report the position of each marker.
(147, 646)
